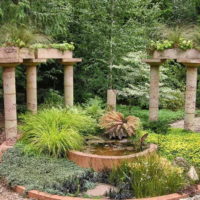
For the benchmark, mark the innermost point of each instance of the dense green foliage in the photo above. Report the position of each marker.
(56, 176)
(54, 131)
(124, 30)
(149, 176)
(178, 143)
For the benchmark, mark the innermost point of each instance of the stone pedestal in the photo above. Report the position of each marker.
(154, 93)
(69, 85)
(9, 89)
(111, 99)
(31, 88)
(190, 97)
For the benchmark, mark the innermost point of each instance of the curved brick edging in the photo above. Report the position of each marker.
(34, 194)
(98, 163)
(45, 196)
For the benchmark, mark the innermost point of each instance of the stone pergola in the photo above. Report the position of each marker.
(10, 57)
(191, 60)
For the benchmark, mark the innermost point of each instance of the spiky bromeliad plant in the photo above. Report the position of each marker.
(118, 126)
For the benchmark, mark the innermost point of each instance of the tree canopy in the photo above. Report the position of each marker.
(104, 32)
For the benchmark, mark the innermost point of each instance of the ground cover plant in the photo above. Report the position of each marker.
(55, 131)
(149, 176)
(178, 143)
(55, 176)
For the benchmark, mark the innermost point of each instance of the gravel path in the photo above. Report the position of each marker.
(6, 194)
(197, 197)
(180, 124)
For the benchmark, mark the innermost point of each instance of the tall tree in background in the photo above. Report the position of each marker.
(46, 16)
(105, 31)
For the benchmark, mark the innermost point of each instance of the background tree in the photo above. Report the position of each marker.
(105, 31)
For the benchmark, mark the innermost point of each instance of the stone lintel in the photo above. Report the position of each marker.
(52, 53)
(70, 61)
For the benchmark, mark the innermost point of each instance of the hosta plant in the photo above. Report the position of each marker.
(118, 126)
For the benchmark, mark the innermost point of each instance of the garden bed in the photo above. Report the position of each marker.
(132, 171)
(36, 194)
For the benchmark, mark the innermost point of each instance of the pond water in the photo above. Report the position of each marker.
(111, 149)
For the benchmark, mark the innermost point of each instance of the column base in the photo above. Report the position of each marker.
(111, 100)
(153, 114)
(189, 122)
(11, 129)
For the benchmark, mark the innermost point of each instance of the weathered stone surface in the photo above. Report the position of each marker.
(177, 53)
(69, 85)
(190, 98)
(181, 162)
(111, 99)
(10, 102)
(154, 93)
(197, 197)
(52, 54)
(192, 174)
(100, 190)
(31, 88)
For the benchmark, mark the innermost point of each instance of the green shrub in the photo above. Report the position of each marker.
(52, 98)
(78, 119)
(95, 107)
(149, 176)
(53, 131)
(160, 127)
(173, 100)
(56, 176)
(178, 143)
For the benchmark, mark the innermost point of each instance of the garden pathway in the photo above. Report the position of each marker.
(6, 194)
(180, 124)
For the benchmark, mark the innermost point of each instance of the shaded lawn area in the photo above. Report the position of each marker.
(164, 115)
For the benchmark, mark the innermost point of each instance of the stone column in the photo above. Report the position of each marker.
(31, 88)
(190, 97)
(111, 99)
(69, 84)
(154, 93)
(9, 89)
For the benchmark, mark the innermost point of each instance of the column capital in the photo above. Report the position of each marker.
(189, 62)
(10, 62)
(154, 62)
(70, 61)
(33, 62)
